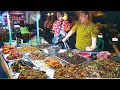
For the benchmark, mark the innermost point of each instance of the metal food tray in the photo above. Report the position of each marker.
(25, 52)
(53, 52)
(27, 55)
(38, 46)
(87, 59)
(5, 58)
(49, 70)
(15, 75)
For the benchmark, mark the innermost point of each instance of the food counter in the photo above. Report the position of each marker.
(46, 61)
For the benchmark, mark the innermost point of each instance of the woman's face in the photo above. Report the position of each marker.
(83, 18)
(59, 16)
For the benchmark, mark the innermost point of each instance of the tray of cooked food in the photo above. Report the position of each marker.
(49, 64)
(43, 46)
(94, 69)
(7, 49)
(18, 66)
(71, 57)
(13, 56)
(27, 49)
(32, 74)
(37, 55)
(21, 66)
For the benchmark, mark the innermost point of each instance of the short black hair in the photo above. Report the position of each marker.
(61, 12)
(85, 12)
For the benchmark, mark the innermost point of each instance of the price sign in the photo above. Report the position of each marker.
(115, 39)
(100, 36)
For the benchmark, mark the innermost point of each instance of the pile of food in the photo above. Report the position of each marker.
(72, 58)
(27, 49)
(37, 55)
(94, 69)
(32, 74)
(21, 65)
(115, 57)
(43, 45)
(15, 56)
(7, 49)
(53, 62)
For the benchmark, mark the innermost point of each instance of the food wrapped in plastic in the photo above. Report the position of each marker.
(103, 55)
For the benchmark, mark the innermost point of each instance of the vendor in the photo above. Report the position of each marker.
(86, 32)
(60, 26)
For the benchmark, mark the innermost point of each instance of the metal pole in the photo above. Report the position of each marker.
(10, 35)
(37, 23)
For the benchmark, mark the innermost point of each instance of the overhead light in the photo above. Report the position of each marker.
(52, 13)
(48, 14)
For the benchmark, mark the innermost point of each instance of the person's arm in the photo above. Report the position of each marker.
(93, 46)
(94, 33)
(68, 35)
(73, 30)
(94, 40)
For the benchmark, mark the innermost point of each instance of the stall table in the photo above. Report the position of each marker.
(5, 64)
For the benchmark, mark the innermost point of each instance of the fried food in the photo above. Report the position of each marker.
(7, 49)
(53, 62)
(36, 55)
(26, 49)
(93, 69)
(32, 74)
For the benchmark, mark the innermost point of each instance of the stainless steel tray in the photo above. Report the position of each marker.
(87, 59)
(5, 58)
(16, 74)
(49, 70)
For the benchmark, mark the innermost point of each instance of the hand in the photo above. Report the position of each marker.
(63, 40)
(90, 48)
(59, 42)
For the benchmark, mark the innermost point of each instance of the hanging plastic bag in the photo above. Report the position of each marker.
(24, 30)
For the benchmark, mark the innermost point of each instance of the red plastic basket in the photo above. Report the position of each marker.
(84, 54)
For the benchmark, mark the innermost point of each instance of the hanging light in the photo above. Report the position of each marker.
(52, 13)
(48, 14)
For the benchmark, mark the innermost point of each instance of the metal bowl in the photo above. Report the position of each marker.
(52, 50)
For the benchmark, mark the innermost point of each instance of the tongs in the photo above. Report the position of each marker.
(66, 45)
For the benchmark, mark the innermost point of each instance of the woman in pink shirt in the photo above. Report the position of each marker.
(60, 26)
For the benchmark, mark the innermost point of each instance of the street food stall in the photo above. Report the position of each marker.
(38, 59)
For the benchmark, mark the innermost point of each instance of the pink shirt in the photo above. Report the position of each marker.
(57, 24)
